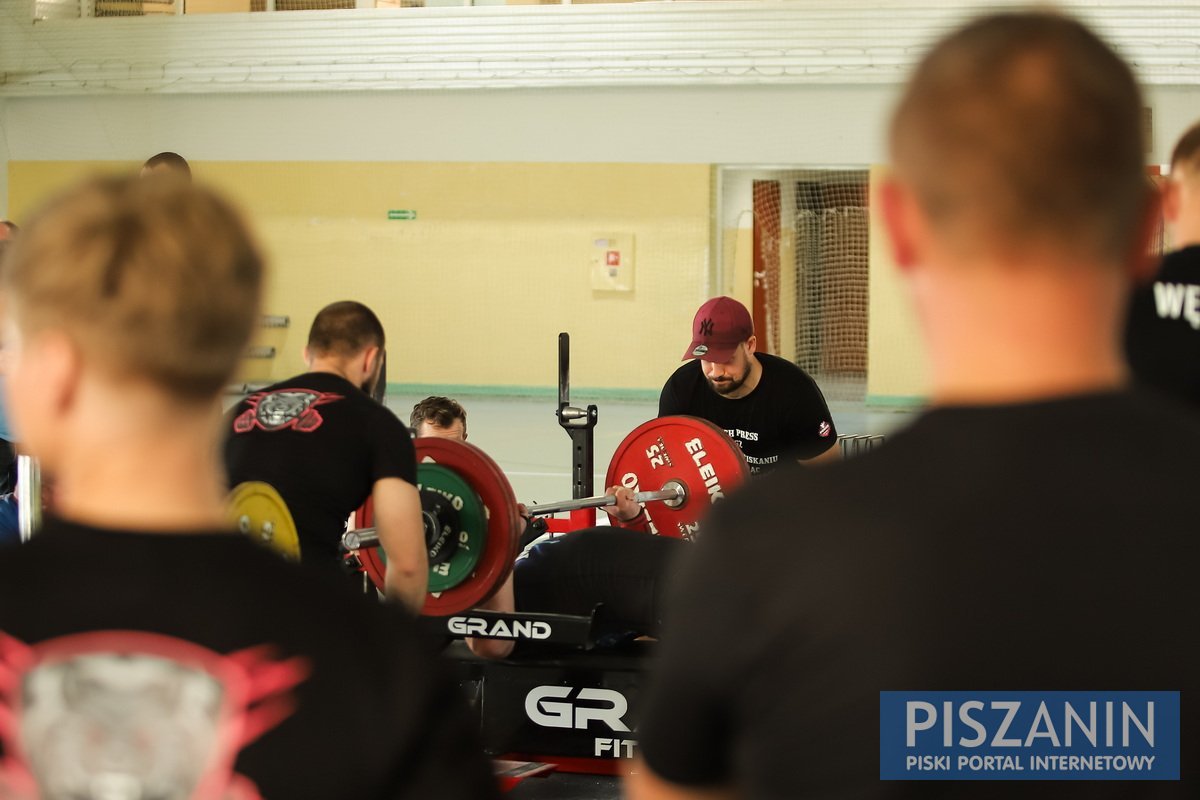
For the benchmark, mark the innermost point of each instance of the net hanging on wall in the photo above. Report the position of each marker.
(804, 235)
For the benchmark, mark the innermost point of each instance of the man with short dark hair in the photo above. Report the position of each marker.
(439, 416)
(326, 446)
(167, 164)
(1032, 532)
(148, 650)
(1162, 337)
(769, 406)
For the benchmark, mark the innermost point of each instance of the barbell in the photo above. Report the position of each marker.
(472, 521)
(672, 494)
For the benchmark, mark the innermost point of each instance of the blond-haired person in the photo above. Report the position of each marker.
(147, 650)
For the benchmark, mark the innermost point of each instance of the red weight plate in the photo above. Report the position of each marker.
(500, 550)
(372, 564)
(690, 450)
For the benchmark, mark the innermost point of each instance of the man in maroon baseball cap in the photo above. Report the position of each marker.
(768, 405)
(719, 327)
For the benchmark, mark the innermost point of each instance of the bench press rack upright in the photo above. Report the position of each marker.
(580, 425)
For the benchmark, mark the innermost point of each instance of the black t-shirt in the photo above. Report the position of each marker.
(1162, 337)
(1037, 547)
(784, 417)
(322, 443)
(169, 655)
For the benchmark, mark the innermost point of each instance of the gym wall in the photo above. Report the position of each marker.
(475, 289)
(595, 123)
(509, 188)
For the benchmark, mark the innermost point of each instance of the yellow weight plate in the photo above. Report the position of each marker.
(259, 512)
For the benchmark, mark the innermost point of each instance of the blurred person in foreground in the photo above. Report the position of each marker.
(10, 532)
(1030, 532)
(1162, 337)
(147, 649)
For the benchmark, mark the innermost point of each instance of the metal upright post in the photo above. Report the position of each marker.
(579, 424)
(29, 497)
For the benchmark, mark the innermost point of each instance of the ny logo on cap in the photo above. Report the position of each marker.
(706, 327)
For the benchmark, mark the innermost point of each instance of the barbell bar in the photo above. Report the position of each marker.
(359, 538)
(673, 494)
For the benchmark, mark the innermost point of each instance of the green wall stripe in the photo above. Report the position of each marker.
(895, 401)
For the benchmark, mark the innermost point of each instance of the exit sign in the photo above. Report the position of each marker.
(402, 214)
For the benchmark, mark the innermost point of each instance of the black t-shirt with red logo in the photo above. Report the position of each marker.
(785, 417)
(322, 443)
(199, 664)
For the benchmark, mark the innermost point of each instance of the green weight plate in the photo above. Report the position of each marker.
(500, 528)
(472, 532)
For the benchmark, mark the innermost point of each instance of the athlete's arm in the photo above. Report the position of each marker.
(812, 434)
(397, 508)
(643, 784)
(505, 602)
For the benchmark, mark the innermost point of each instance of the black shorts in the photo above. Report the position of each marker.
(621, 570)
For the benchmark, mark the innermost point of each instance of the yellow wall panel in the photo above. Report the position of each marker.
(476, 288)
(32, 182)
